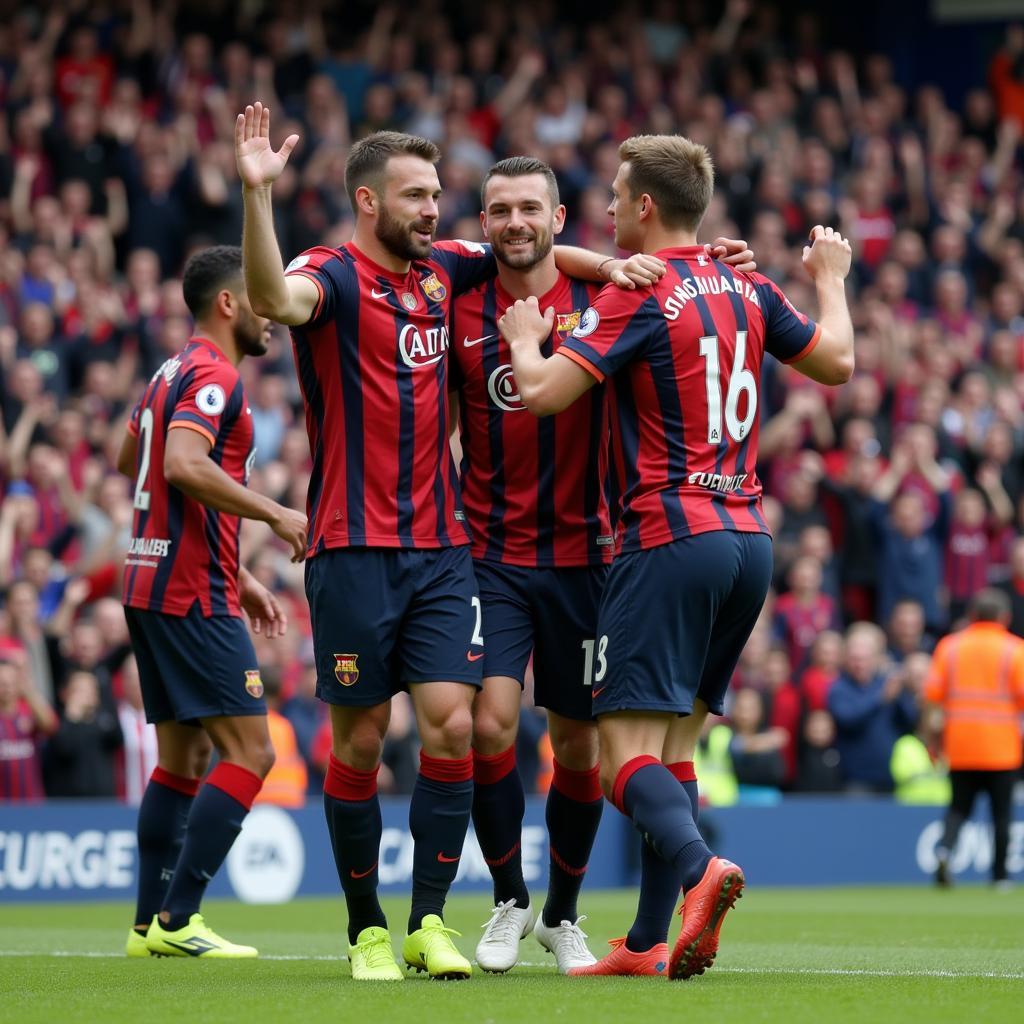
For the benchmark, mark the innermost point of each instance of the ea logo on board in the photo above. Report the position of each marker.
(268, 859)
(501, 386)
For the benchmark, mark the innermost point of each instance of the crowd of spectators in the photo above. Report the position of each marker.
(892, 499)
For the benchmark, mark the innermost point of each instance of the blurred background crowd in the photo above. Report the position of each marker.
(893, 500)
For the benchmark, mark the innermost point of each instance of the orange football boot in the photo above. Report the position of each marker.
(651, 963)
(703, 911)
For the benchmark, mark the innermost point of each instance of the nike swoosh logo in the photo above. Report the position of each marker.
(442, 859)
(467, 343)
(363, 874)
(470, 656)
(594, 694)
(380, 295)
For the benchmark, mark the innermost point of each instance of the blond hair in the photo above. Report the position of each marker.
(675, 172)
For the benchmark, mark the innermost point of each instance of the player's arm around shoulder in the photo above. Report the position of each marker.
(827, 259)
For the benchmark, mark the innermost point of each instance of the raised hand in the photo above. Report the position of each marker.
(828, 255)
(258, 165)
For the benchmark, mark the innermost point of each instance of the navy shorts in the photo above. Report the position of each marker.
(674, 620)
(550, 613)
(387, 617)
(193, 667)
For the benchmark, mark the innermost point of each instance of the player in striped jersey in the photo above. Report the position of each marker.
(535, 495)
(389, 579)
(693, 560)
(188, 448)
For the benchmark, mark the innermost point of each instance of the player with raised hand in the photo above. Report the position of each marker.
(189, 449)
(693, 560)
(535, 496)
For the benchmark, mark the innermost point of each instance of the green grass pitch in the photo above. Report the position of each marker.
(830, 955)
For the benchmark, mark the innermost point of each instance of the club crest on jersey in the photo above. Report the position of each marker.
(566, 323)
(210, 400)
(588, 323)
(408, 300)
(346, 670)
(433, 289)
(253, 683)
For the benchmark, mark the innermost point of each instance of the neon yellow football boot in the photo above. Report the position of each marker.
(195, 939)
(372, 958)
(136, 945)
(430, 948)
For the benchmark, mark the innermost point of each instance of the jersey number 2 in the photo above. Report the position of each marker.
(740, 380)
(141, 500)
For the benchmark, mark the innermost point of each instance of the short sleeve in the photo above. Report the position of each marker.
(467, 264)
(204, 398)
(323, 267)
(612, 332)
(789, 335)
(133, 420)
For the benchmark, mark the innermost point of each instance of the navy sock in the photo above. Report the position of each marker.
(442, 801)
(352, 809)
(213, 825)
(163, 814)
(573, 813)
(498, 808)
(659, 881)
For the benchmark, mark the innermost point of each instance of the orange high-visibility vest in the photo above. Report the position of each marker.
(977, 676)
(287, 781)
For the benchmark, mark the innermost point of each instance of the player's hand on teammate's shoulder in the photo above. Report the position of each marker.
(262, 606)
(828, 255)
(640, 270)
(734, 252)
(258, 164)
(291, 526)
(524, 322)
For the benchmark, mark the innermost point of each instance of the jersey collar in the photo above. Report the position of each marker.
(549, 298)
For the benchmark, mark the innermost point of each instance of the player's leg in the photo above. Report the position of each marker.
(964, 789)
(356, 601)
(566, 604)
(183, 757)
(659, 881)
(440, 653)
(742, 562)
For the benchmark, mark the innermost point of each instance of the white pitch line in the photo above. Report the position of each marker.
(844, 972)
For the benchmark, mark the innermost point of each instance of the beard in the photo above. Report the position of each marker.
(250, 334)
(398, 238)
(524, 257)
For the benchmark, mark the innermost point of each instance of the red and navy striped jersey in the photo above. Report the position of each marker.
(534, 490)
(686, 359)
(181, 551)
(373, 369)
(20, 770)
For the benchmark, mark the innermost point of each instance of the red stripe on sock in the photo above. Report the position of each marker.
(343, 782)
(443, 769)
(567, 868)
(238, 782)
(626, 772)
(582, 786)
(179, 783)
(491, 768)
(683, 771)
(503, 860)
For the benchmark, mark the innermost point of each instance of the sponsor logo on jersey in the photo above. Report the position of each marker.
(345, 669)
(503, 391)
(566, 323)
(433, 289)
(722, 482)
(588, 323)
(149, 547)
(253, 683)
(422, 348)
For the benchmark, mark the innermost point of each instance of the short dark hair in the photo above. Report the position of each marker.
(206, 273)
(989, 605)
(520, 167)
(369, 157)
(675, 172)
